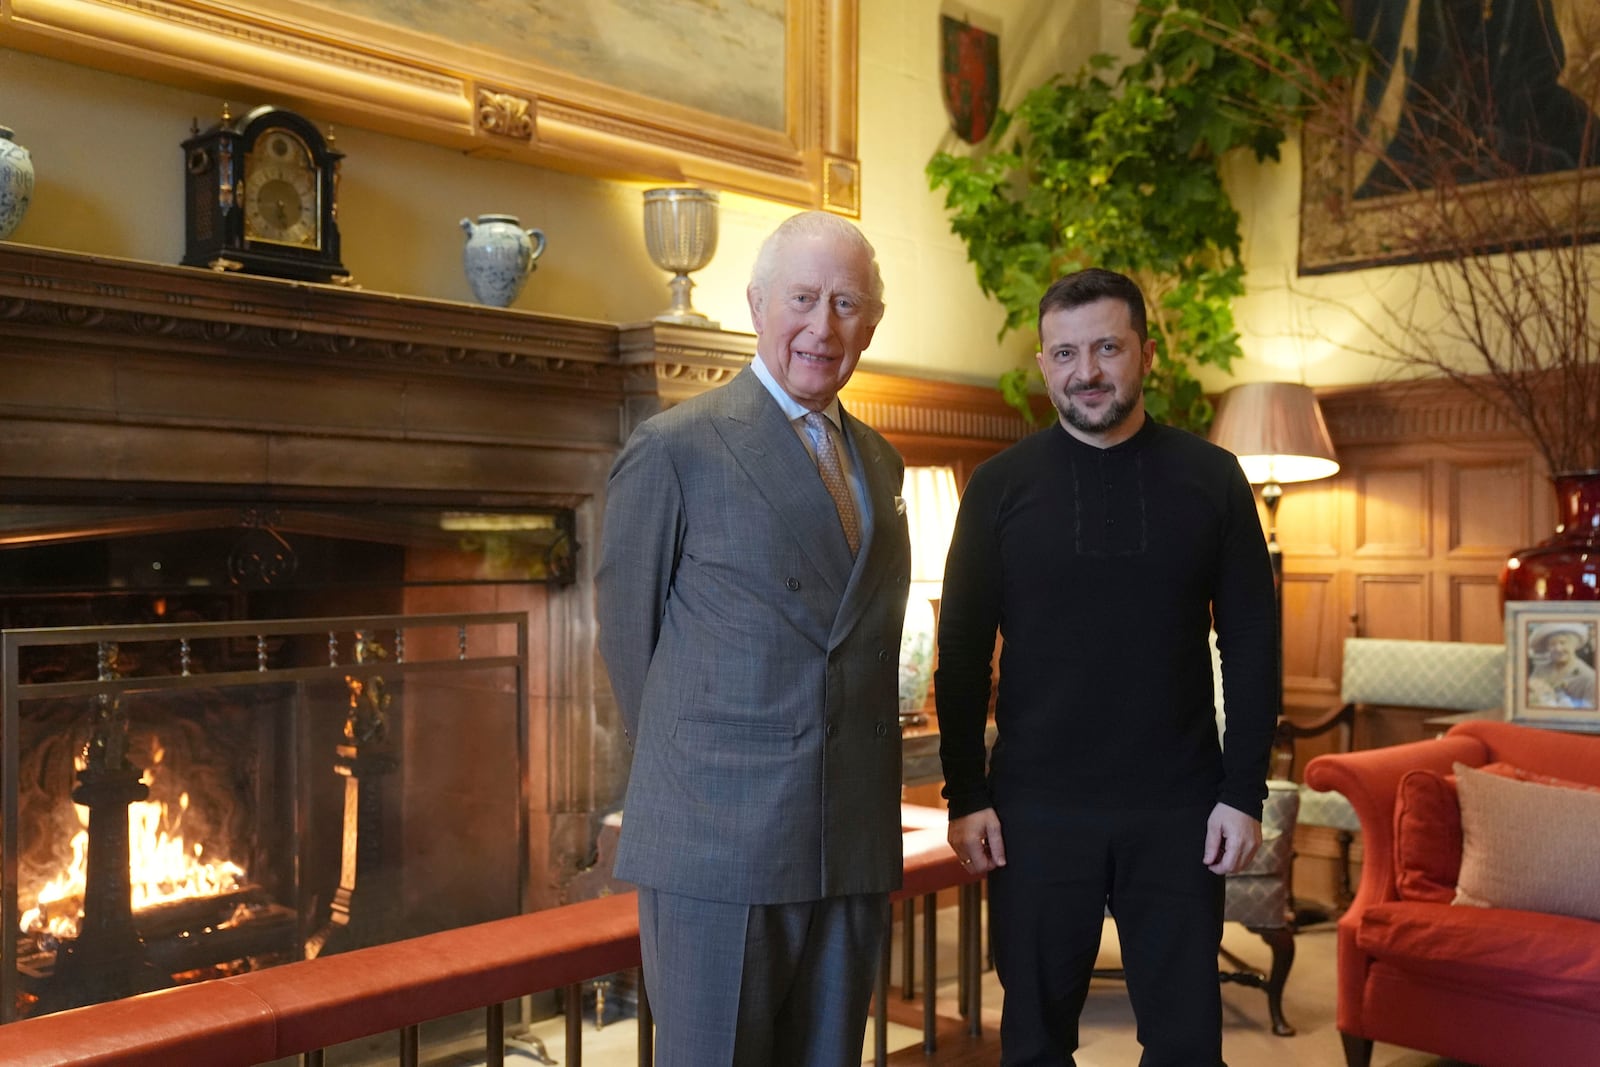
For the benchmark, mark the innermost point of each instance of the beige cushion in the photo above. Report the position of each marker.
(1527, 845)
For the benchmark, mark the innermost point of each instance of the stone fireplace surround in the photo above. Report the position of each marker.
(130, 379)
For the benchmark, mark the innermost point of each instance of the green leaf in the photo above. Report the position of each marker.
(1118, 166)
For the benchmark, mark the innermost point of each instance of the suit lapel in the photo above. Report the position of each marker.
(767, 447)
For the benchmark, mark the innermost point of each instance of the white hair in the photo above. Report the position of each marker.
(808, 224)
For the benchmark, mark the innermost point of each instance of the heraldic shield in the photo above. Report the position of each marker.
(971, 63)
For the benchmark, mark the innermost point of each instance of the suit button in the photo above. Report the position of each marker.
(883, 655)
(832, 728)
(792, 583)
(882, 729)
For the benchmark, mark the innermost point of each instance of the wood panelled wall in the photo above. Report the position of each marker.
(1407, 541)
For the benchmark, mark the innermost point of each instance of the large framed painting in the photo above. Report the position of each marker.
(756, 96)
(1472, 128)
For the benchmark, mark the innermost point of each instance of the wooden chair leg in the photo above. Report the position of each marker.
(1357, 1050)
(1281, 941)
(971, 907)
(1346, 888)
(908, 950)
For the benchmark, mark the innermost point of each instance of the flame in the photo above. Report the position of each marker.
(163, 867)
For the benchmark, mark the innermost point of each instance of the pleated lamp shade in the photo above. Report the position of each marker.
(1277, 431)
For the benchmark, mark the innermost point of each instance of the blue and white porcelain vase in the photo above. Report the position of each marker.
(499, 256)
(16, 182)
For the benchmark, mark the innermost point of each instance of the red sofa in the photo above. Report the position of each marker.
(1492, 986)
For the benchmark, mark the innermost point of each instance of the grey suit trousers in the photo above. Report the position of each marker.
(760, 985)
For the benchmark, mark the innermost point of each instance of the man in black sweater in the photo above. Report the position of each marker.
(1103, 550)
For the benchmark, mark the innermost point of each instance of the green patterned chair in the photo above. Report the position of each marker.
(1436, 675)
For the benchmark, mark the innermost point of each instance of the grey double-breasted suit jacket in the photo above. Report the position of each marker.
(754, 661)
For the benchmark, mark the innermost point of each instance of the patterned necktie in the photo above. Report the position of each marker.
(832, 472)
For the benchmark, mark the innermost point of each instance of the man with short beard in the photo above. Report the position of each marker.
(1103, 550)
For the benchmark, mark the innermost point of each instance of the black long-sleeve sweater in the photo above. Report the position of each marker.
(1103, 571)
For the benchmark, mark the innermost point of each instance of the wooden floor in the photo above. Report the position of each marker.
(1107, 1024)
(954, 1047)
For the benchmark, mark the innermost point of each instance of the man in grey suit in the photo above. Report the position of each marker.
(752, 585)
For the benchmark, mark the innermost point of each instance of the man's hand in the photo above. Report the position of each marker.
(1232, 838)
(976, 840)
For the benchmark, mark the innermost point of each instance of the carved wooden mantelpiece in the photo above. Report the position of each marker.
(121, 317)
(99, 302)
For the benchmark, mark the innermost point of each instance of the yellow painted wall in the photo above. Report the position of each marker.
(110, 182)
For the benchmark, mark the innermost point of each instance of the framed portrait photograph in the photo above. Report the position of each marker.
(1550, 663)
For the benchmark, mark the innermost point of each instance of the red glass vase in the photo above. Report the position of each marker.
(1566, 565)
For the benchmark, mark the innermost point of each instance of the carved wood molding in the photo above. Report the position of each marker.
(927, 409)
(63, 299)
(1397, 412)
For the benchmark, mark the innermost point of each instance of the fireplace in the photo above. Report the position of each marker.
(253, 774)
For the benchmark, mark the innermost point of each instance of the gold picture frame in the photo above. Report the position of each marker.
(367, 73)
(1370, 189)
(1340, 232)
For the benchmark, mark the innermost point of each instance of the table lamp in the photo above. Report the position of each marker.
(1277, 431)
(931, 502)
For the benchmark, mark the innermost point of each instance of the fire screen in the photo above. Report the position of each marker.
(184, 801)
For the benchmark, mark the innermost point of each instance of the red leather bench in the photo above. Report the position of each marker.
(300, 1007)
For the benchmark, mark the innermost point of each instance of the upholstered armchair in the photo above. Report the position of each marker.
(1258, 898)
(1436, 675)
(1507, 980)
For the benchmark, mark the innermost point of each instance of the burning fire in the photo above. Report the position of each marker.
(162, 867)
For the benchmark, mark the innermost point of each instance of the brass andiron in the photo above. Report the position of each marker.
(107, 960)
(363, 761)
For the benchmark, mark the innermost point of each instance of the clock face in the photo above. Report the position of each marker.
(281, 188)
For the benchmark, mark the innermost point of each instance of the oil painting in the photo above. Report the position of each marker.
(723, 58)
(1467, 131)
(752, 96)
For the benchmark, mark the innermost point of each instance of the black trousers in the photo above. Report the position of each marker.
(1065, 867)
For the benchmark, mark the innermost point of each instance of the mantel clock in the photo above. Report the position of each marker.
(261, 197)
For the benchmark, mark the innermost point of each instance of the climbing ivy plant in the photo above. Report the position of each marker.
(1120, 167)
